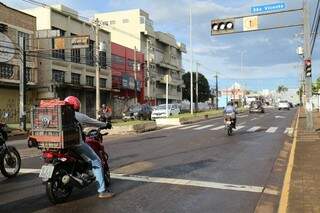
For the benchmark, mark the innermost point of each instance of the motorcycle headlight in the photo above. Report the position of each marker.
(135, 113)
(123, 114)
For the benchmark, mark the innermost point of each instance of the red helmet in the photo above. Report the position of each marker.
(74, 102)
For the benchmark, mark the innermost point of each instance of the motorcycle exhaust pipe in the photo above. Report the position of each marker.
(74, 180)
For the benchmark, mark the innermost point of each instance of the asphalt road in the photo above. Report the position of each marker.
(193, 168)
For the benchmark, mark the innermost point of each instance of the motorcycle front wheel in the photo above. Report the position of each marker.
(229, 130)
(56, 190)
(10, 162)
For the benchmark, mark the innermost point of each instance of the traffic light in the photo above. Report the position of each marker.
(222, 26)
(307, 68)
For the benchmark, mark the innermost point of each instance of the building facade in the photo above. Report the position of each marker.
(69, 71)
(15, 25)
(124, 76)
(163, 54)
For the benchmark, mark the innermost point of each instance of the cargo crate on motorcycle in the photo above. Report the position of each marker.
(53, 125)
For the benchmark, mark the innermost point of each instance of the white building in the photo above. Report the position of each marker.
(163, 54)
(69, 71)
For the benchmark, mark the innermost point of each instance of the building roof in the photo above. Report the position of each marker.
(19, 11)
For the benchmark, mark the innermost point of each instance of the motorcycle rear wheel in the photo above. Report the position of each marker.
(10, 160)
(58, 192)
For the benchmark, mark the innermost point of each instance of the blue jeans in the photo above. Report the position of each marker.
(97, 169)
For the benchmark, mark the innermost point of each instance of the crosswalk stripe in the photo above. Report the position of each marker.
(242, 116)
(173, 127)
(272, 130)
(189, 127)
(254, 119)
(217, 128)
(286, 131)
(253, 129)
(238, 128)
(204, 127)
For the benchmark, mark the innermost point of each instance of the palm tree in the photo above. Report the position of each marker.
(282, 89)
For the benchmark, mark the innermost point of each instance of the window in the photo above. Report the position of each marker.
(112, 22)
(6, 70)
(130, 63)
(103, 59)
(26, 37)
(28, 74)
(58, 53)
(75, 55)
(103, 82)
(115, 59)
(75, 78)
(89, 81)
(58, 76)
(124, 21)
(89, 53)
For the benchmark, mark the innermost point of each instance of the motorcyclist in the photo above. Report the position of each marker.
(86, 150)
(230, 109)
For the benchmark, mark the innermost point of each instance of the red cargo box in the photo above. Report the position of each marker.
(53, 126)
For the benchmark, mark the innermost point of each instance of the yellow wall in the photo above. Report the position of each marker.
(10, 103)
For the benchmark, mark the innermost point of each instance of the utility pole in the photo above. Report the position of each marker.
(191, 64)
(217, 92)
(97, 26)
(307, 56)
(167, 93)
(22, 85)
(135, 73)
(197, 87)
(148, 71)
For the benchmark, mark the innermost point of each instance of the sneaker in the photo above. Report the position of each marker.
(106, 194)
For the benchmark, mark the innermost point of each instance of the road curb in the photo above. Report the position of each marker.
(283, 204)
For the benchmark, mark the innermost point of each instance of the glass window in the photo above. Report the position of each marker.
(58, 76)
(117, 59)
(6, 70)
(89, 53)
(75, 55)
(103, 82)
(89, 81)
(103, 59)
(58, 53)
(26, 36)
(130, 63)
(75, 78)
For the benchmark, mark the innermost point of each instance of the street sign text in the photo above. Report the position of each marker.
(268, 8)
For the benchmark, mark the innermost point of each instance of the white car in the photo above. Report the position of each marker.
(284, 105)
(160, 111)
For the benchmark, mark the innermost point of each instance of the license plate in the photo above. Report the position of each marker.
(228, 122)
(46, 171)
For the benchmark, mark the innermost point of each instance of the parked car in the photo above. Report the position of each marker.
(138, 112)
(284, 105)
(256, 106)
(160, 111)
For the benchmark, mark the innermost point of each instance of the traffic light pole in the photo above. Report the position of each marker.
(97, 26)
(308, 78)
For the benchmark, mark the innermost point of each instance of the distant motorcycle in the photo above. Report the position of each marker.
(10, 161)
(65, 169)
(229, 123)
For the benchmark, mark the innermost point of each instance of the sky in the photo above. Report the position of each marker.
(269, 57)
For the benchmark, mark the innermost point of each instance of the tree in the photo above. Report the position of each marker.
(282, 89)
(316, 86)
(203, 88)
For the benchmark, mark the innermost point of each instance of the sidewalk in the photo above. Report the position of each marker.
(304, 185)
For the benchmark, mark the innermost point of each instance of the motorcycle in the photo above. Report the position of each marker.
(65, 169)
(10, 161)
(229, 123)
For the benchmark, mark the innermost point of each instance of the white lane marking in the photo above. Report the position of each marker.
(238, 128)
(176, 181)
(217, 128)
(279, 116)
(242, 116)
(189, 127)
(253, 129)
(254, 119)
(272, 130)
(243, 123)
(204, 127)
(173, 127)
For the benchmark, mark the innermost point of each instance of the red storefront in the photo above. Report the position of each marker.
(123, 81)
